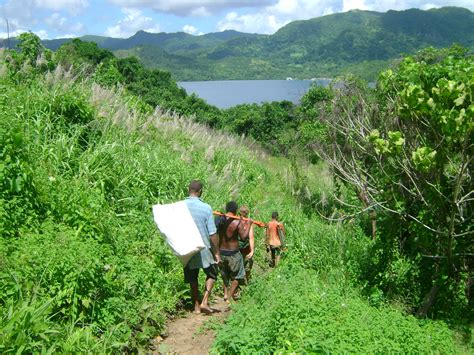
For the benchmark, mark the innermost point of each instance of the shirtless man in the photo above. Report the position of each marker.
(232, 267)
(247, 243)
(273, 238)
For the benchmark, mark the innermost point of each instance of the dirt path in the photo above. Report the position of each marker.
(193, 333)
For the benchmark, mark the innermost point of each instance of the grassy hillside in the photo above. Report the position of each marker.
(83, 266)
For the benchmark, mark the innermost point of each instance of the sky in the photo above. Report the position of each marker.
(122, 18)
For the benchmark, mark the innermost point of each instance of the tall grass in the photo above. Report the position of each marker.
(82, 167)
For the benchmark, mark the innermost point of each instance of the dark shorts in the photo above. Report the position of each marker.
(232, 267)
(275, 250)
(248, 263)
(191, 275)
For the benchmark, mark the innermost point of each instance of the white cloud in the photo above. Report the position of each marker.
(12, 34)
(348, 5)
(71, 6)
(200, 12)
(429, 6)
(19, 13)
(328, 11)
(56, 20)
(25, 15)
(252, 23)
(41, 34)
(206, 7)
(286, 6)
(191, 7)
(68, 35)
(62, 24)
(191, 30)
(271, 18)
(134, 21)
(55, 17)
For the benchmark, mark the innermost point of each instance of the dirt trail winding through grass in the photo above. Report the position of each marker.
(193, 333)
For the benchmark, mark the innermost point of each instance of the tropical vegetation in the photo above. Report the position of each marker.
(374, 186)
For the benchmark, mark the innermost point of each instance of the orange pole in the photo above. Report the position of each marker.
(258, 223)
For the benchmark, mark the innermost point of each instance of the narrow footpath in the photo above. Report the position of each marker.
(192, 334)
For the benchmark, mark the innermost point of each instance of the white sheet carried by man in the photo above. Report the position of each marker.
(181, 233)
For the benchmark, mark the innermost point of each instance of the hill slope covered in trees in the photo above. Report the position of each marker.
(358, 42)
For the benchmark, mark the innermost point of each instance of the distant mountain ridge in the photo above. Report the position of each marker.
(362, 42)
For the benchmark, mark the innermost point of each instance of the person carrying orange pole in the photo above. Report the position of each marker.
(230, 230)
(228, 215)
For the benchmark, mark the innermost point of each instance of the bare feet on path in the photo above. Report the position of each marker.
(192, 334)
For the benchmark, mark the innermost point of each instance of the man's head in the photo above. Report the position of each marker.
(195, 188)
(275, 215)
(244, 211)
(231, 207)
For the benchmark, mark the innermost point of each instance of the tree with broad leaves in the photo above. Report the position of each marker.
(407, 149)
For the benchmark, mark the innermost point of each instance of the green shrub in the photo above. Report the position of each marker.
(292, 311)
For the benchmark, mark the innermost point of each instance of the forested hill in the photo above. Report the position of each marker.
(360, 42)
(175, 43)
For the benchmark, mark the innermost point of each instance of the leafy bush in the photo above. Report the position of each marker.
(405, 149)
(293, 311)
(80, 263)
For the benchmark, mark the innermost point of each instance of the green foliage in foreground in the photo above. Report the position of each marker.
(82, 267)
(406, 150)
(292, 310)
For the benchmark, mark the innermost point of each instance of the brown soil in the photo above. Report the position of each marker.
(193, 333)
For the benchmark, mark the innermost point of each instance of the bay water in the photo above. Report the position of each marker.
(228, 93)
